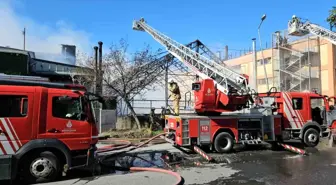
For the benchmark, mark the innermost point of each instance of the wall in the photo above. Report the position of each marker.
(323, 65)
(246, 67)
(328, 74)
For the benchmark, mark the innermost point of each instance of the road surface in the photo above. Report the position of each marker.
(248, 167)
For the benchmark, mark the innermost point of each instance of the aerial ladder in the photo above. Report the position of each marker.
(232, 85)
(224, 78)
(296, 27)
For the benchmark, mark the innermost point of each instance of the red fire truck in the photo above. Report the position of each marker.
(279, 117)
(223, 97)
(45, 129)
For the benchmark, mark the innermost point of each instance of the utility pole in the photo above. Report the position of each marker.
(166, 83)
(261, 49)
(24, 38)
(255, 65)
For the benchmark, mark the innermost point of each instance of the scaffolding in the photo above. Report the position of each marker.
(295, 62)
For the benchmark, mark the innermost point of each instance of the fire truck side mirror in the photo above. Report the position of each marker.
(24, 106)
(196, 86)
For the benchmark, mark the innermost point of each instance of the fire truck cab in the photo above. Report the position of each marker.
(45, 129)
(306, 116)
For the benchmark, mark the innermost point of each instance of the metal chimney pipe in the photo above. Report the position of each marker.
(100, 73)
(100, 50)
(96, 67)
(226, 52)
(255, 64)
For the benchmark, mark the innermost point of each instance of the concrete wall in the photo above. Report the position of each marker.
(246, 63)
(322, 57)
(328, 59)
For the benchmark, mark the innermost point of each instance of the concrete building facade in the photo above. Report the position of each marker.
(292, 64)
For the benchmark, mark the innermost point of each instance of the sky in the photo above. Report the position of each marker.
(83, 23)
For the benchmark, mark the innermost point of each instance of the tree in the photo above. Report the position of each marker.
(332, 18)
(127, 74)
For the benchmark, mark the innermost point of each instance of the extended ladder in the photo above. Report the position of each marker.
(300, 29)
(205, 68)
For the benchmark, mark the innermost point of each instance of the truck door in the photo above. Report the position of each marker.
(317, 112)
(66, 122)
(297, 110)
(16, 112)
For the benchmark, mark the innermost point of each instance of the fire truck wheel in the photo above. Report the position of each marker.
(223, 142)
(41, 167)
(311, 137)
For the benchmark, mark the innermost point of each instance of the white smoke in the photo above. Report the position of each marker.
(39, 37)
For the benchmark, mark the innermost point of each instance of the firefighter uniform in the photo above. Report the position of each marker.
(175, 95)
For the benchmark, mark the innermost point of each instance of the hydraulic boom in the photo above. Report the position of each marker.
(297, 27)
(227, 80)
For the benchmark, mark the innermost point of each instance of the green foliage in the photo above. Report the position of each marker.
(332, 18)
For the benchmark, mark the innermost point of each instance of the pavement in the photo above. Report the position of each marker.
(253, 167)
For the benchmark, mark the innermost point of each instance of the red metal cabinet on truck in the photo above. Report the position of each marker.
(189, 130)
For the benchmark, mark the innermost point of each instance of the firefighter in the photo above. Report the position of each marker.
(295, 20)
(175, 95)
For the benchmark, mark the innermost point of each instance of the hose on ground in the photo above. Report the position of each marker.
(127, 144)
(179, 179)
(113, 147)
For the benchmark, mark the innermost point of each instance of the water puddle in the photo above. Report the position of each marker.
(163, 160)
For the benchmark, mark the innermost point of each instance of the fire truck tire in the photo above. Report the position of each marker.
(311, 137)
(223, 142)
(41, 167)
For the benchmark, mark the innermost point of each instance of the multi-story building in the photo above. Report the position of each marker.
(292, 64)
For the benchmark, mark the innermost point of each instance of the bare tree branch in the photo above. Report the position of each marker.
(126, 74)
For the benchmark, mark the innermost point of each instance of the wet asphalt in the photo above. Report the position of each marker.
(280, 167)
(252, 167)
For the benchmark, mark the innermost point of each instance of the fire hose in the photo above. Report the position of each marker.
(127, 144)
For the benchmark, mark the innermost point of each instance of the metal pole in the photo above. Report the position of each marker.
(255, 64)
(262, 55)
(226, 52)
(300, 75)
(166, 84)
(309, 67)
(96, 68)
(100, 72)
(279, 61)
(24, 38)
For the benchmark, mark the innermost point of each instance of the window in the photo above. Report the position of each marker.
(297, 103)
(266, 60)
(67, 108)
(13, 106)
(316, 102)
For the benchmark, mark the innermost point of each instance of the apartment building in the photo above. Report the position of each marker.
(292, 64)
